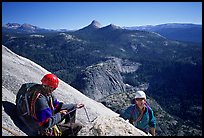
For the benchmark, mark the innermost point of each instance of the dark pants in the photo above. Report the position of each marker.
(69, 127)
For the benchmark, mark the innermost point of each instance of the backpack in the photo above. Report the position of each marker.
(23, 106)
(25, 102)
(22, 99)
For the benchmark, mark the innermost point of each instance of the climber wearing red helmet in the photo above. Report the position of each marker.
(50, 83)
(44, 113)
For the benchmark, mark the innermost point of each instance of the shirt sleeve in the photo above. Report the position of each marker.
(126, 114)
(69, 107)
(55, 101)
(152, 122)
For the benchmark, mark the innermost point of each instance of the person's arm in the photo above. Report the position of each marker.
(44, 114)
(126, 114)
(152, 123)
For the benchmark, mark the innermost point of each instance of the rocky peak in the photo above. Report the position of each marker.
(19, 26)
(112, 26)
(91, 27)
(28, 26)
(12, 25)
(95, 24)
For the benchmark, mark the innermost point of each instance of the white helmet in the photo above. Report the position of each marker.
(140, 94)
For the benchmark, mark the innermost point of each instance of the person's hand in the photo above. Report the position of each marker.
(79, 105)
(63, 112)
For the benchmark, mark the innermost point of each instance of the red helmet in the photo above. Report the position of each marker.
(50, 80)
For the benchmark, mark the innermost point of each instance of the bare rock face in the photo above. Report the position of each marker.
(103, 79)
(103, 126)
(100, 80)
(17, 70)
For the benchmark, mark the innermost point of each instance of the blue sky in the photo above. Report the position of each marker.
(76, 15)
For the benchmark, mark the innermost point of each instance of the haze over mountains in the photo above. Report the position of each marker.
(175, 31)
(104, 61)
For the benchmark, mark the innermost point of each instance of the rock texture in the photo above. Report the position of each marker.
(102, 126)
(17, 70)
(100, 80)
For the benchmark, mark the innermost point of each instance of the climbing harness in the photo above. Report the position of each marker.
(56, 131)
(53, 131)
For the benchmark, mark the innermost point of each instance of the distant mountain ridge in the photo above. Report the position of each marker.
(175, 31)
(23, 28)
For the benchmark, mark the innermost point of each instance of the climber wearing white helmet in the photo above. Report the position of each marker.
(140, 114)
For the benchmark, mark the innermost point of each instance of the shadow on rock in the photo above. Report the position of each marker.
(10, 109)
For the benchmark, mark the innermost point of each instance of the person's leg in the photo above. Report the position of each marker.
(70, 129)
(71, 117)
(76, 127)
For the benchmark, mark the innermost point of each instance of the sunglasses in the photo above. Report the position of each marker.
(50, 88)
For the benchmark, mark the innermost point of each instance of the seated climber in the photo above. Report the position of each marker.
(42, 113)
(140, 114)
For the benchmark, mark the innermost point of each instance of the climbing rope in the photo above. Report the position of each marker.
(15, 134)
(87, 115)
